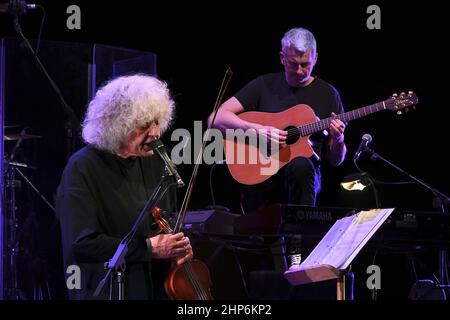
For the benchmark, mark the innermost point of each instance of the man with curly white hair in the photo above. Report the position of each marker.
(106, 184)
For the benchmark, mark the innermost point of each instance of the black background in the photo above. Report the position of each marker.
(196, 42)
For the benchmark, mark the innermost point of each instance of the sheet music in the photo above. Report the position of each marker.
(322, 250)
(346, 238)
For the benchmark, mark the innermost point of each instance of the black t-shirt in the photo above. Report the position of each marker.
(271, 93)
(98, 201)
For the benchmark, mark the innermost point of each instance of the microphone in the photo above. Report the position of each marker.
(158, 147)
(16, 7)
(365, 140)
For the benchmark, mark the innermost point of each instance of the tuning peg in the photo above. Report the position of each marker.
(410, 92)
(394, 95)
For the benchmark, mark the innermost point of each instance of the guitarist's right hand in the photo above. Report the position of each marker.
(272, 135)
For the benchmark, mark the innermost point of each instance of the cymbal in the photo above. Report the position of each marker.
(17, 136)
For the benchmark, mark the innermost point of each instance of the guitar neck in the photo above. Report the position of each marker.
(324, 124)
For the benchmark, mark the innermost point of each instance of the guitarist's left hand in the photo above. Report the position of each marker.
(337, 128)
(336, 146)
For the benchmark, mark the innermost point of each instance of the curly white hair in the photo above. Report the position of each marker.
(124, 104)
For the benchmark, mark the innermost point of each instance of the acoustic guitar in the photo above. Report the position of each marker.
(251, 161)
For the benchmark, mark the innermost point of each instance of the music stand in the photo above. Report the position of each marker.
(333, 255)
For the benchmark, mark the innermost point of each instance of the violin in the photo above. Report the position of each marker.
(189, 281)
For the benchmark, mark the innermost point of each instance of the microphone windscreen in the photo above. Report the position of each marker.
(155, 144)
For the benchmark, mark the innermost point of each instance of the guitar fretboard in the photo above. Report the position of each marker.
(324, 124)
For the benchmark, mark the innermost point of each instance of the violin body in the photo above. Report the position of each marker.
(179, 285)
(189, 281)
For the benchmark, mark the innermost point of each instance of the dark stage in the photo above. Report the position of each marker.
(190, 45)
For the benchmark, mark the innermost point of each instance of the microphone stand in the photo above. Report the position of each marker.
(117, 263)
(30, 184)
(441, 200)
(72, 122)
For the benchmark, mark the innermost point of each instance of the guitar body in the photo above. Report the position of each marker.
(249, 164)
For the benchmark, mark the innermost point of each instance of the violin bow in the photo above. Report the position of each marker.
(180, 219)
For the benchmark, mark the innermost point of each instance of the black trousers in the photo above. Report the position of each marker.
(299, 182)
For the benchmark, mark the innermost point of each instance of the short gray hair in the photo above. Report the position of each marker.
(124, 104)
(300, 39)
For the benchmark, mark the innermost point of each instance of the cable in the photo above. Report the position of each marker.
(392, 183)
(372, 183)
(211, 185)
(446, 270)
(356, 166)
(375, 193)
(242, 206)
(241, 272)
(413, 267)
(40, 29)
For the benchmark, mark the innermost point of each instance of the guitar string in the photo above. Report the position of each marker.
(310, 128)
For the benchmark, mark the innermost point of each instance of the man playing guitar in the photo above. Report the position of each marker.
(278, 92)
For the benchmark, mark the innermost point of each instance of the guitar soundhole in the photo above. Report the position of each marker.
(293, 134)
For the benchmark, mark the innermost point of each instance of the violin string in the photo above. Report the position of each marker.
(189, 274)
(201, 290)
(198, 288)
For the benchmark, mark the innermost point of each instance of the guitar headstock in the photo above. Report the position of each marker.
(398, 102)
